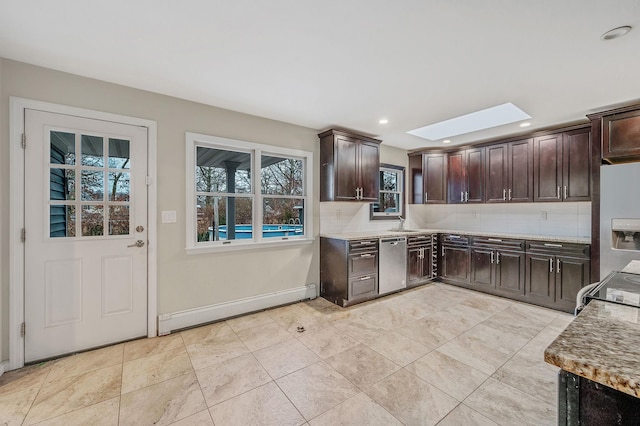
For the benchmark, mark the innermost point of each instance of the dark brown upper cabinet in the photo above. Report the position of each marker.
(509, 172)
(465, 176)
(621, 137)
(428, 174)
(349, 167)
(562, 166)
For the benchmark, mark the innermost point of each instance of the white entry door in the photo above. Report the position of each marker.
(85, 233)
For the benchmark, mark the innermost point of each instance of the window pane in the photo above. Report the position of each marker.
(282, 217)
(219, 170)
(118, 186)
(119, 154)
(92, 151)
(62, 184)
(211, 213)
(63, 148)
(92, 220)
(389, 180)
(118, 220)
(212, 223)
(92, 186)
(389, 203)
(281, 176)
(62, 221)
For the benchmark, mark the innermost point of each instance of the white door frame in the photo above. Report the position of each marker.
(16, 214)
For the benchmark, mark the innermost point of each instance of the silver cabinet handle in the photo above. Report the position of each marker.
(497, 258)
(462, 196)
(425, 197)
(442, 251)
(550, 265)
(138, 243)
(504, 194)
(497, 240)
(552, 245)
(558, 193)
(368, 277)
(492, 257)
(466, 197)
(366, 255)
(557, 266)
(565, 192)
(509, 194)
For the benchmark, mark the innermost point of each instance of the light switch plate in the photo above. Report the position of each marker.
(169, 216)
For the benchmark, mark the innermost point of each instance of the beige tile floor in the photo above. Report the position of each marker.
(433, 355)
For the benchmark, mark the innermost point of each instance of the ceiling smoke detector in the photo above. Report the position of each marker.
(616, 33)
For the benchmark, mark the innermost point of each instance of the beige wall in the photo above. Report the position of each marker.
(183, 281)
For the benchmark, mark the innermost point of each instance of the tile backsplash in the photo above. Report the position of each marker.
(552, 219)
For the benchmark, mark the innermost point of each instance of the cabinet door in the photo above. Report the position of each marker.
(435, 178)
(540, 279)
(425, 269)
(576, 165)
(455, 263)
(571, 275)
(416, 181)
(547, 168)
(474, 179)
(621, 136)
(482, 267)
(496, 173)
(363, 263)
(346, 168)
(510, 267)
(456, 177)
(520, 174)
(414, 265)
(369, 169)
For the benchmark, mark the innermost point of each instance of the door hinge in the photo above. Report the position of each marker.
(148, 180)
(22, 329)
(23, 143)
(23, 235)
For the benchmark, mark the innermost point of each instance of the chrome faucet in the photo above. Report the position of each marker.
(401, 225)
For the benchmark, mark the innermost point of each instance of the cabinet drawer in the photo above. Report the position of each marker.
(363, 263)
(554, 248)
(363, 286)
(454, 239)
(419, 240)
(362, 245)
(499, 243)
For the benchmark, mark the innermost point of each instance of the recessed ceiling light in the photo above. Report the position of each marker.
(383, 121)
(479, 120)
(525, 124)
(446, 141)
(616, 33)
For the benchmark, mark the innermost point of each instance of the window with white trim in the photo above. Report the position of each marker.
(244, 193)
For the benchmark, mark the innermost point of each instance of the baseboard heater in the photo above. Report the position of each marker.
(202, 315)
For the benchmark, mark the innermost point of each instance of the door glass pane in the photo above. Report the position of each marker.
(62, 221)
(119, 154)
(281, 175)
(92, 220)
(63, 148)
(92, 186)
(62, 184)
(118, 220)
(118, 186)
(283, 217)
(220, 170)
(92, 151)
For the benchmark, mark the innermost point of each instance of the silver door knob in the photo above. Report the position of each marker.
(138, 243)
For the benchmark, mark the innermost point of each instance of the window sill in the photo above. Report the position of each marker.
(237, 246)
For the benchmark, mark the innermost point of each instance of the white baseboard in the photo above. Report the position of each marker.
(192, 317)
(4, 366)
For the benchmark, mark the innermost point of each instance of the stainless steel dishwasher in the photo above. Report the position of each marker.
(392, 267)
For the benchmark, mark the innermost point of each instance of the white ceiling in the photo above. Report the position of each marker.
(346, 63)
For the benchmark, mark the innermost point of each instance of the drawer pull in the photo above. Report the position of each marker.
(366, 255)
(368, 277)
(455, 237)
(552, 245)
(497, 240)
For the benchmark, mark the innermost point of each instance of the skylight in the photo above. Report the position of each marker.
(479, 120)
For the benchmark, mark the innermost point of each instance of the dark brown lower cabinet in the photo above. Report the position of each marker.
(495, 269)
(455, 259)
(419, 260)
(555, 274)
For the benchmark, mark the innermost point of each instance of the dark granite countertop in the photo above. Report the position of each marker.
(602, 344)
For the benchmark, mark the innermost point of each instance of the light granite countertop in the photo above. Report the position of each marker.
(389, 233)
(601, 344)
(632, 267)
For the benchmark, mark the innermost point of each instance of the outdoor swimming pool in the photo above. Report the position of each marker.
(268, 231)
